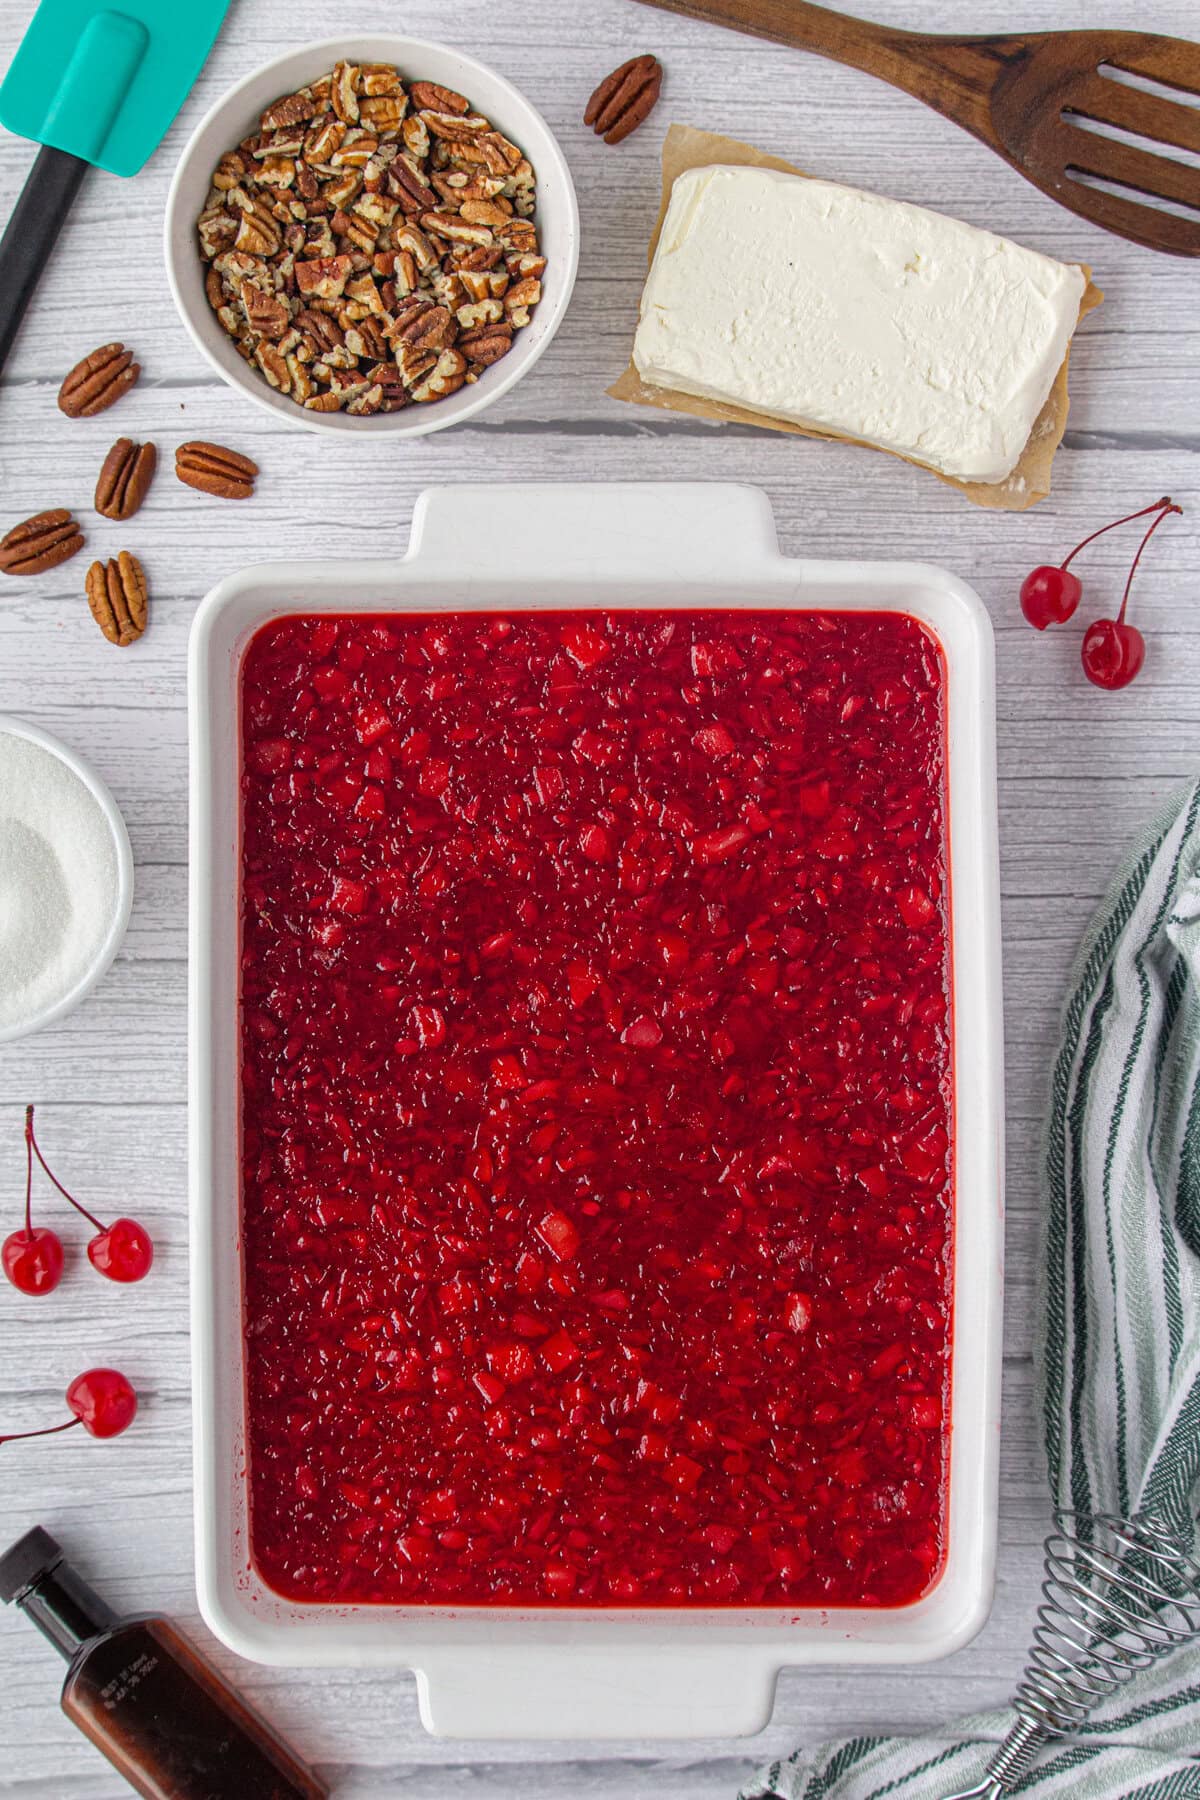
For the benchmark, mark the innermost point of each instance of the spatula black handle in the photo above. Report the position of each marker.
(37, 219)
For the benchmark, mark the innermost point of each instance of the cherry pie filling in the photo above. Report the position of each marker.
(596, 1101)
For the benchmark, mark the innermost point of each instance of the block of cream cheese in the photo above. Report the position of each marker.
(855, 314)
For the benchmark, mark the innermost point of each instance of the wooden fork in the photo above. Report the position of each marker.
(1045, 100)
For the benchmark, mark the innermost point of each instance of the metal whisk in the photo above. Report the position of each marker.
(1118, 1594)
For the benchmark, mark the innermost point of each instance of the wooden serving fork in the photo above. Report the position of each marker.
(1066, 108)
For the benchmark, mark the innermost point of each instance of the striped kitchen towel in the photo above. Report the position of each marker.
(1119, 1362)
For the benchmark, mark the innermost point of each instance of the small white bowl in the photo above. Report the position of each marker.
(236, 115)
(111, 942)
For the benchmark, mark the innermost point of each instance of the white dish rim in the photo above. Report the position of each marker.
(114, 936)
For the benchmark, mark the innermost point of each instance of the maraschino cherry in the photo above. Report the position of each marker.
(103, 1402)
(123, 1250)
(1050, 595)
(32, 1257)
(1113, 650)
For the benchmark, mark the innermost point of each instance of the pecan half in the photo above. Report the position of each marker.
(98, 381)
(293, 109)
(125, 478)
(427, 96)
(40, 543)
(215, 470)
(624, 99)
(486, 344)
(116, 593)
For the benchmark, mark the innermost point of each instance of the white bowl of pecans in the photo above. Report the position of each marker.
(372, 234)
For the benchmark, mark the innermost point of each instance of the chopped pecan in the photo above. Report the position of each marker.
(40, 543)
(501, 157)
(293, 109)
(479, 312)
(277, 171)
(357, 149)
(217, 229)
(432, 329)
(265, 313)
(344, 92)
(124, 479)
(117, 595)
(485, 212)
(479, 259)
(379, 78)
(320, 329)
(341, 190)
(383, 113)
(624, 99)
(369, 401)
(258, 230)
(453, 127)
(445, 378)
(457, 230)
(486, 344)
(229, 171)
(274, 367)
(409, 238)
(326, 277)
(325, 138)
(406, 186)
(427, 96)
(360, 232)
(366, 340)
(215, 470)
(415, 134)
(98, 381)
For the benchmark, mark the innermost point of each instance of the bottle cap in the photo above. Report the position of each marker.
(26, 1562)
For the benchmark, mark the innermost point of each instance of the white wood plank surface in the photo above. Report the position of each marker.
(1080, 770)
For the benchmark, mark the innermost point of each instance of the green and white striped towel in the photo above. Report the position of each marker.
(1120, 1361)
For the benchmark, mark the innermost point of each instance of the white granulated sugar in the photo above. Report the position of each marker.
(58, 879)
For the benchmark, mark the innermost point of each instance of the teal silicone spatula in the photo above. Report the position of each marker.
(94, 85)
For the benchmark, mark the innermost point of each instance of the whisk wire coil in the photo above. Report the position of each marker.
(1117, 1595)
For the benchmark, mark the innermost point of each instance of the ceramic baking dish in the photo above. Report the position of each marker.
(576, 1672)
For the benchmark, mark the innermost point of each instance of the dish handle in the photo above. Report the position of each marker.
(577, 1689)
(685, 530)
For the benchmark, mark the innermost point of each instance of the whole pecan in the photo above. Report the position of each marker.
(624, 99)
(486, 344)
(428, 96)
(116, 593)
(125, 478)
(292, 109)
(98, 381)
(40, 543)
(432, 329)
(215, 470)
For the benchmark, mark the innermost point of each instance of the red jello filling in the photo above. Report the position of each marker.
(596, 1107)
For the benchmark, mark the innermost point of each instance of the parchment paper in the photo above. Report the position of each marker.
(686, 148)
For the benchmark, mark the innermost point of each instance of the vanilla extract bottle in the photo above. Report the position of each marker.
(165, 1719)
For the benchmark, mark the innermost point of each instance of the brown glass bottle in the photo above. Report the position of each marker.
(163, 1718)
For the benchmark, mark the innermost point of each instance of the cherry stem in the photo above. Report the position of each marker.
(1166, 512)
(29, 1173)
(1158, 507)
(13, 1437)
(32, 1144)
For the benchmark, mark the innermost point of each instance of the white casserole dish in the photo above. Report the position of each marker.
(577, 1672)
